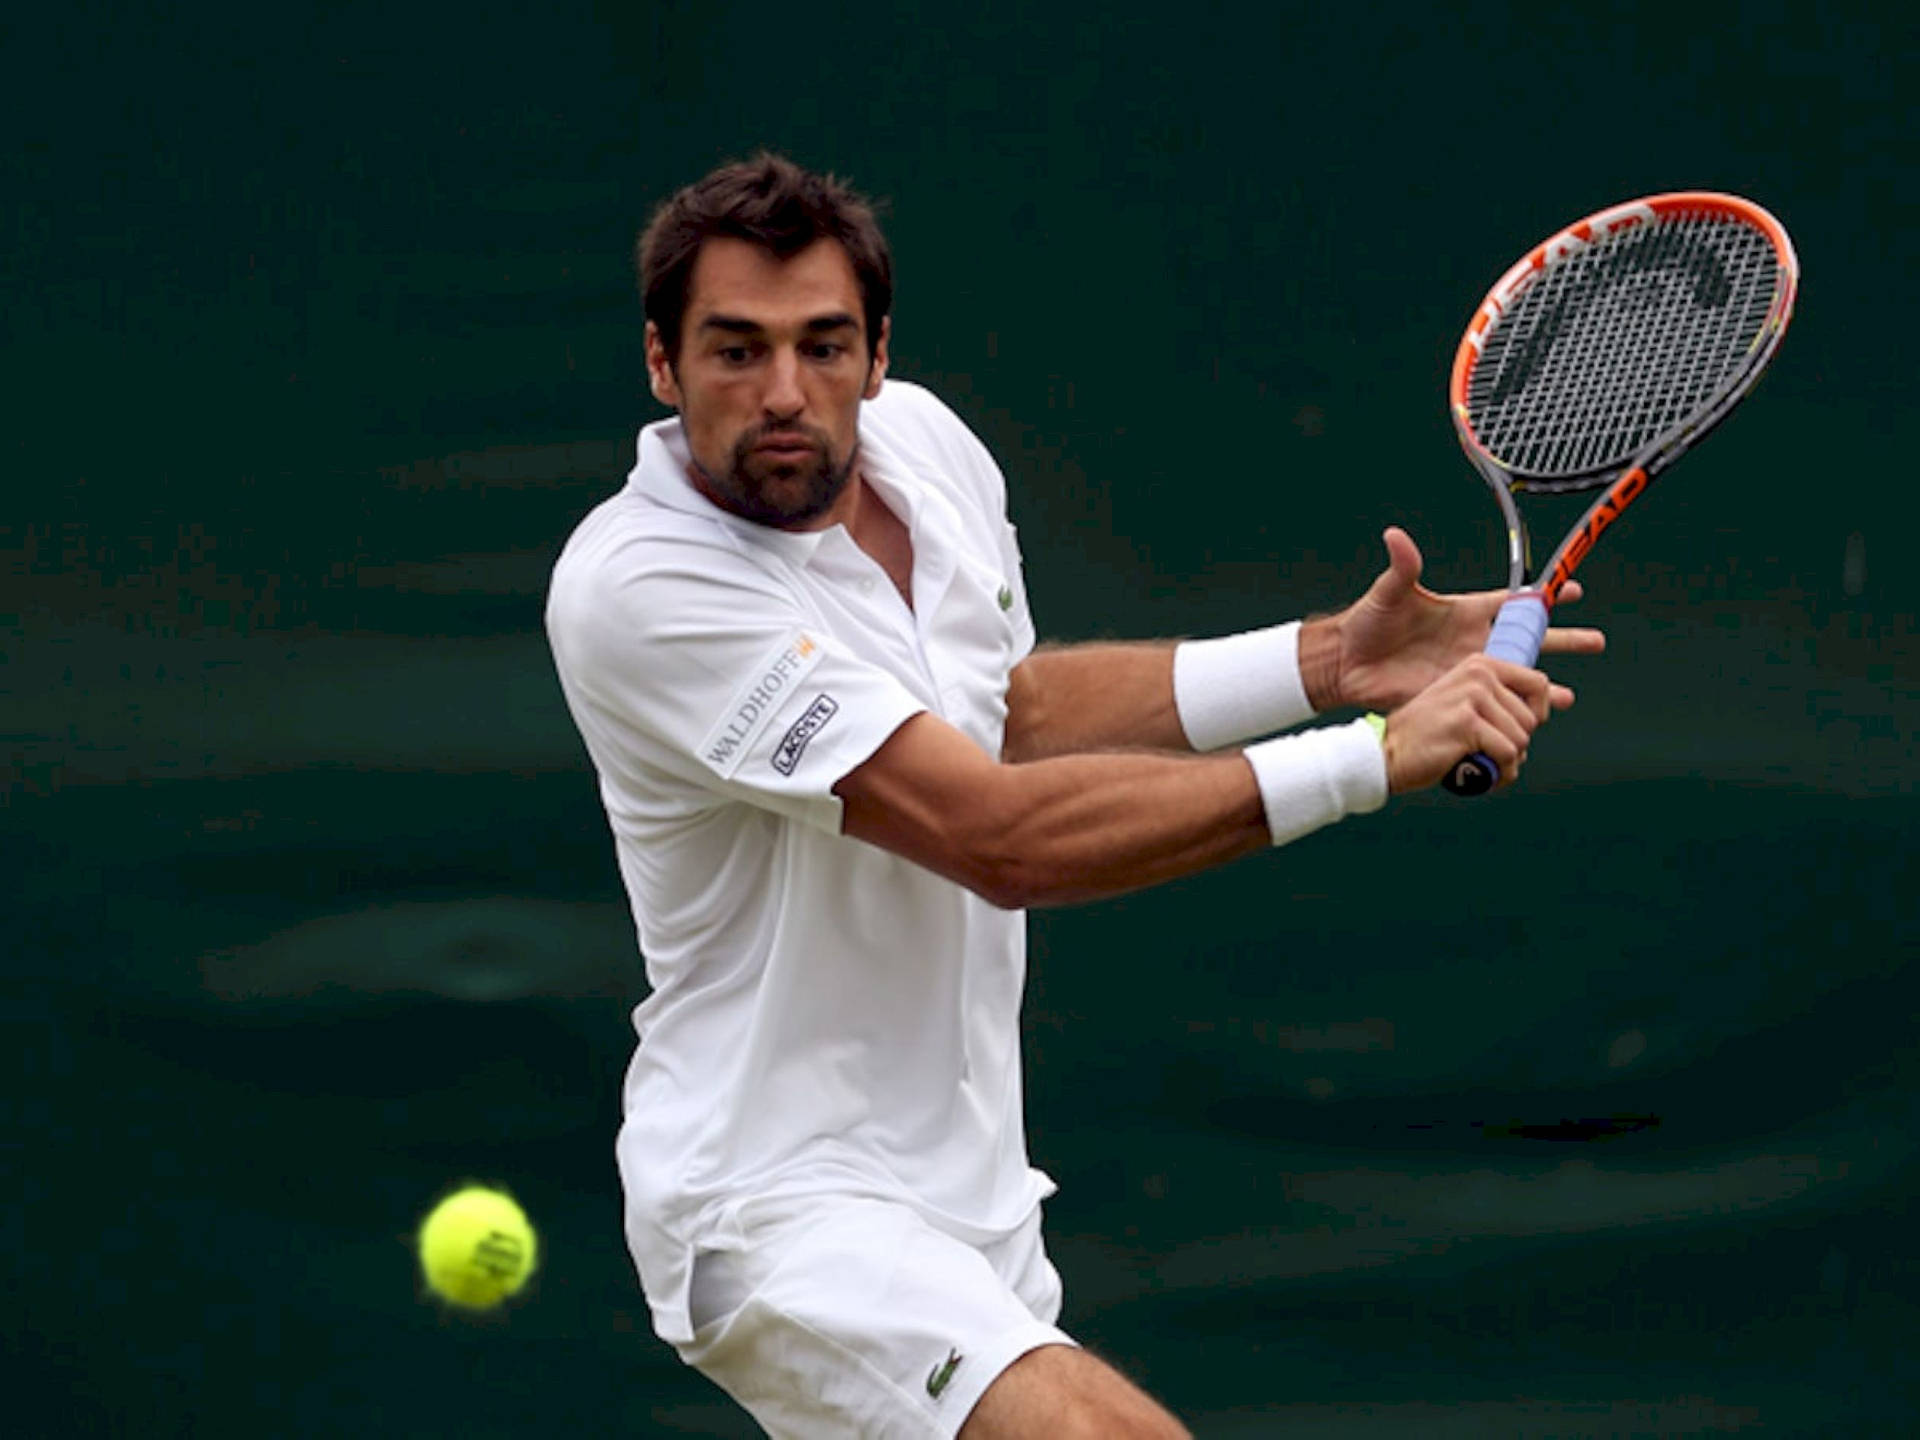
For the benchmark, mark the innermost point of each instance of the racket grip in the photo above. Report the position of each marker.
(1518, 631)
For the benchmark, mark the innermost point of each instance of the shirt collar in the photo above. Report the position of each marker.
(661, 474)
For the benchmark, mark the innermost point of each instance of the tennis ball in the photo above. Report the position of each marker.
(477, 1248)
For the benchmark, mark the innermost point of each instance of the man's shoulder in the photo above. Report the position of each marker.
(634, 547)
(922, 429)
(628, 528)
(908, 412)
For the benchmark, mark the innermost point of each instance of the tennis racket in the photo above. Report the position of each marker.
(1600, 358)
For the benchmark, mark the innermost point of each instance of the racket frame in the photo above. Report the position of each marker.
(1522, 622)
(1625, 483)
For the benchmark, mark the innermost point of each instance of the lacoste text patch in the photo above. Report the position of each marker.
(786, 757)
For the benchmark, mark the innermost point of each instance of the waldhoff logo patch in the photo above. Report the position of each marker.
(794, 743)
(774, 679)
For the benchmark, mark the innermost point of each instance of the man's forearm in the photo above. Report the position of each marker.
(1080, 827)
(1104, 696)
(1083, 827)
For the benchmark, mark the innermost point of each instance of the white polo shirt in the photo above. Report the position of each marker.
(824, 1016)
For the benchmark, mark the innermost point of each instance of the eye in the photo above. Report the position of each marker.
(826, 350)
(734, 354)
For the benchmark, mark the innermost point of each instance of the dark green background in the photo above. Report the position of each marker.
(320, 336)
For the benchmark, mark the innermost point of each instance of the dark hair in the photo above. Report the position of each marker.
(770, 202)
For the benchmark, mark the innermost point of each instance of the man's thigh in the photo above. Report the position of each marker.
(1062, 1393)
(858, 1318)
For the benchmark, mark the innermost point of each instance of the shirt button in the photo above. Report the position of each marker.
(866, 586)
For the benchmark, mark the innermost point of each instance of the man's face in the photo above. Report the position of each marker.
(773, 366)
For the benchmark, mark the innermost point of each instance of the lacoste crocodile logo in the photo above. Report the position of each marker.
(1005, 597)
(938, 1377)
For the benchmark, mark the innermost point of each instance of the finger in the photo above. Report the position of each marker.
(1508, 702)
(1561, 696)
(1494, 738)
(1404, 564)
(1569, 593)
(1523, 680)
(1510, 772)
(1525, 708)
(1536, 698)
(1572, 640)
(1493, 708)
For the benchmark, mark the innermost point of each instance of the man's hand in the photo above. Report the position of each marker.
(1400, 637)
(1482, 706)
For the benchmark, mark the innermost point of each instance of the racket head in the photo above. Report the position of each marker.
(1621, 340)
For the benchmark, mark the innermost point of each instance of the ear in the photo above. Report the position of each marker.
(877, 371)
(660, 377)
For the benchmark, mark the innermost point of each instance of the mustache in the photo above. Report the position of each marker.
(763, 431)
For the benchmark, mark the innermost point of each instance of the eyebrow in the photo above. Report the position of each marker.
(739, 325)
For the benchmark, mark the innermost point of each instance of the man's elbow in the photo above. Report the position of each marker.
(982, 826)
(998, 875)
(999, 860)
(1027, 718)
(1009, 891)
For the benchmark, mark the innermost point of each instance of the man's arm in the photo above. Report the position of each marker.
(1068, 700)
(1079, 827)
(1103, 696)
(1378, 653)
(1057, 831)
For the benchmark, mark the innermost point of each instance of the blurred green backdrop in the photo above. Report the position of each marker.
(320, 336)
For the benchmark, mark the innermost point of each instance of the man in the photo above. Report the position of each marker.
(798, 648)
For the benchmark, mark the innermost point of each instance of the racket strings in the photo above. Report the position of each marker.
(1652, 331)
(1602, 311)
(1619, 344)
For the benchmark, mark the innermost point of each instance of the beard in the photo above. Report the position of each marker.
(781, 493)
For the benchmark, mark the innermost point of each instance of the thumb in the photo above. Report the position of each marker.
(1402, 575)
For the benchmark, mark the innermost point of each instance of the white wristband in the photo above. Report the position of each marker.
(1239, 687)
(1317, 777)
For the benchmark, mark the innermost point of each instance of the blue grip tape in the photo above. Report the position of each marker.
(1518, 629)
(1517, 634)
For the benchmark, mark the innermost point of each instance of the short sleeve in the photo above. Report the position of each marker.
(676, 653)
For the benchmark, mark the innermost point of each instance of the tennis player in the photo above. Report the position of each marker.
(837, 770)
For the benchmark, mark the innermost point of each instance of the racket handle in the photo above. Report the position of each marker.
(1517, 633)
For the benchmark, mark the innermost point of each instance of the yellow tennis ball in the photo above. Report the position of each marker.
(477, 1248)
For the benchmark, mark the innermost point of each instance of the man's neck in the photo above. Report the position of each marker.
(881, 533)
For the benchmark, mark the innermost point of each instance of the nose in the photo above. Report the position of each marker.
(784, 398)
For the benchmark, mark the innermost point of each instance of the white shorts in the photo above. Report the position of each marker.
(853, 1317)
